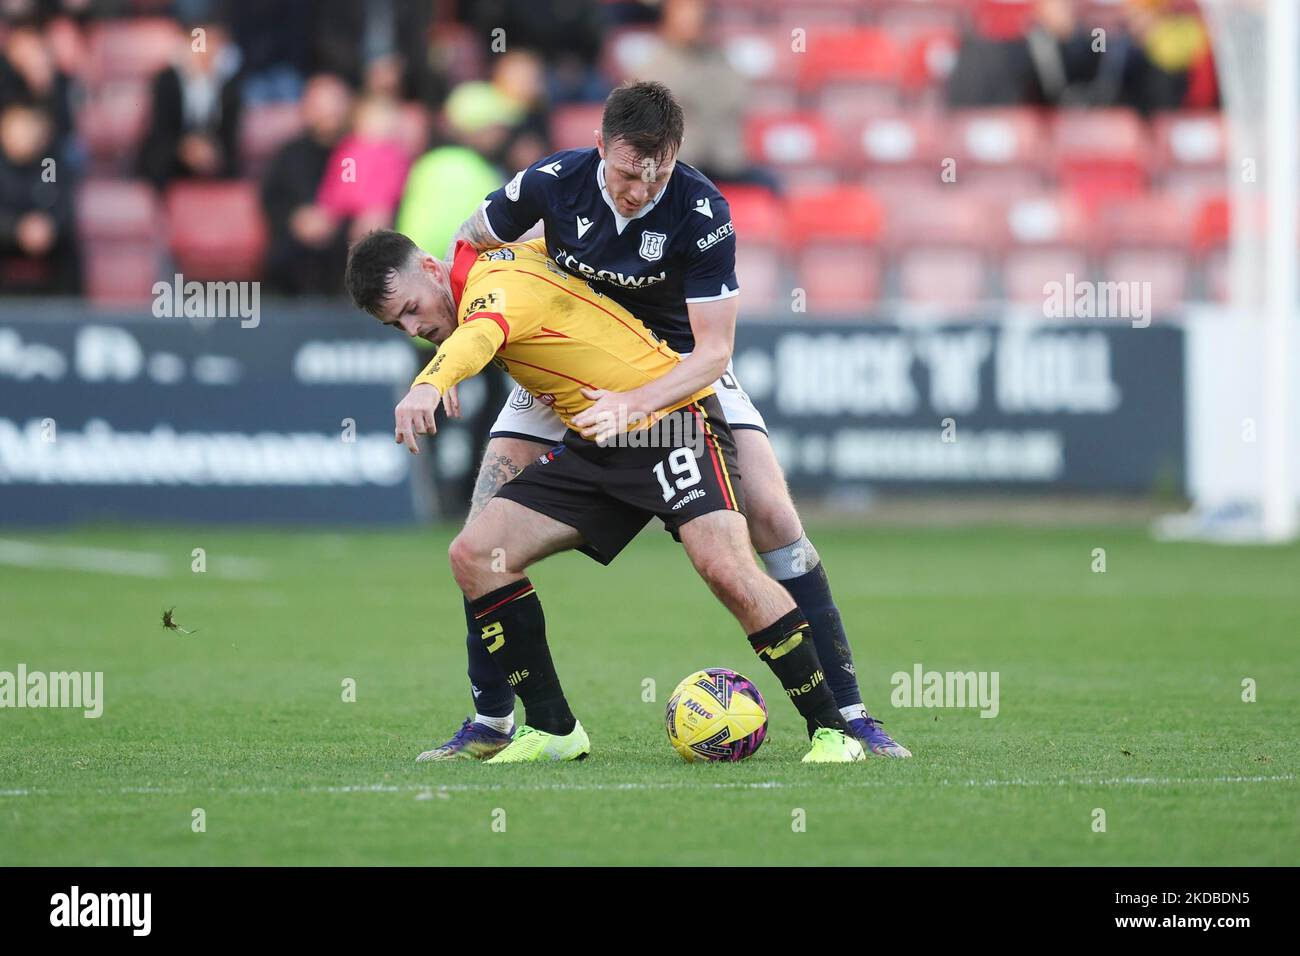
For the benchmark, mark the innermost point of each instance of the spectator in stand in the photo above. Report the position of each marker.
(194, 124)
(28, 72)
(712, 93)
(308, 244)
(1053, 64)
(364, 175)
(568, 33)
(275, 39)
(1154, 65)
(520, 78)
(380, 46)
(38, 247)
(449, 182)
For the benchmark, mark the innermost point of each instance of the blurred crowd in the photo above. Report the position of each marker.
(406, 112)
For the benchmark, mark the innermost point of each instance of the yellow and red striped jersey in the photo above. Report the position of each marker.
(547, 328)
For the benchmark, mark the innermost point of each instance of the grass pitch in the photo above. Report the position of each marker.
(1119, 691)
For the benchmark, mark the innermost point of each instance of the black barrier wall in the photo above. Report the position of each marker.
(127, 417)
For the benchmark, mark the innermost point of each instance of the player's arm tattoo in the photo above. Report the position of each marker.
(476, 232)
(495, 471)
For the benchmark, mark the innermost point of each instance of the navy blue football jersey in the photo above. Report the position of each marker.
(679, 249)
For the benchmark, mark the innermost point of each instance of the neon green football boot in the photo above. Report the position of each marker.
(829, 746)
(532, 745)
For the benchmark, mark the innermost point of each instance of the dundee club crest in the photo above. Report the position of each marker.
(652, 245)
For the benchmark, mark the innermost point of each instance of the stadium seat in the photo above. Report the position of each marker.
(130, 49)
(1003, 19)
(119, 273)
(1150, 221)
(626, 50)
(117, 221)
(765, 58)
(573, 126)
(117, 210)
(908, 19)
(863, 59)
(942, 216)
(759, 269)
(264, 129)
(1100, 154)
(1047, 220)
(1213, 224)
(898, 140)
(929, 59)
(946, 278)
(840, 278)
(799, 146)
(837, 213)
(1191, 151)
(112, 122)
(1025, 272)
(1167, 272)
(759, 216)
(1000, 139)
(231, 251)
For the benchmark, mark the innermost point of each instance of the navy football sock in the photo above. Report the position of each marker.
(513, 628)
(811, 590)
(492, 694)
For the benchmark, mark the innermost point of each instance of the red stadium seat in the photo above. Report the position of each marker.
(1166, 271)
(626, 51)
(1101, 153)
(119, 273)
(759, 269)
(842, 212)
(130, 48)
(862, 59)
(947, 278)
(895, 141)
(118, 222)
(766, 59)
(840, 277)
(999, 139)
(1003, 19)
(930, 58)
(790, 140)
(1048, 221)
(1151, 222)
(1025, 272)
(943, 216)
(759, 216)
(117, 210)
(574, 126)
(1213, 225)
(1191, 140)
(908, 19)
(216, 229)
(264, 129)
(113, 121)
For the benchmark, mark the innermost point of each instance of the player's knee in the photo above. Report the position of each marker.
(773, 521)
(725, 577)
(467, 558)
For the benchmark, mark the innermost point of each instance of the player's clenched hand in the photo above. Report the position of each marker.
(414, 415)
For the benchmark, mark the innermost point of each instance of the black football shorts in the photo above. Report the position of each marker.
(682, 467)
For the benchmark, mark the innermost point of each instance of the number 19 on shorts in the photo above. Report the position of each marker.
(680, 462)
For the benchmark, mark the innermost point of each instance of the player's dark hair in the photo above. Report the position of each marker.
(373, 264)
(645, 116)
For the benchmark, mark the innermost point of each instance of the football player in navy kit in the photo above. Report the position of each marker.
(655, 236)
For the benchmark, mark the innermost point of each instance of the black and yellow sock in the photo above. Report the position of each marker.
(787, 648)
(513, 629)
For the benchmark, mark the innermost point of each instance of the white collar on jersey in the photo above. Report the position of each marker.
(620, 221)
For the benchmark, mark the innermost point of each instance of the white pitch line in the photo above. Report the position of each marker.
(138, 564)
(426, 788)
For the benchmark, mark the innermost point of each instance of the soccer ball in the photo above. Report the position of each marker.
(716, 714)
